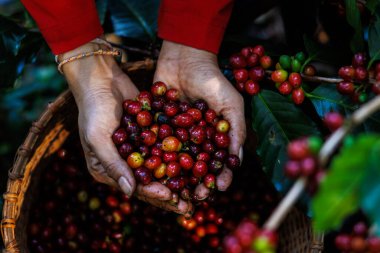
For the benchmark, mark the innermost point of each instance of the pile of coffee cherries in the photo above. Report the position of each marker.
(177, 143)
(73, 213)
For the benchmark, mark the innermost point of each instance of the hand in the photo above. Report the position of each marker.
(195, 73)
(99, 87)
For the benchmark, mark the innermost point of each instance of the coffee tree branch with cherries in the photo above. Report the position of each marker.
(317, 136)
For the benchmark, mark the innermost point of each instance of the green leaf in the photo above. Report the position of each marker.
(277, 121)
(371, 5)
(326, 98)
(374, 38)
(134, 19)
(338, 194)
(17, 48)
(370, 190)
(101, 6)
(353, 18)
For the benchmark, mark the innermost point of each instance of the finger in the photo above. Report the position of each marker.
(235, 116)
(154, 190)
(183, 207)
(201, 192)
(114, 166)
(224, 179)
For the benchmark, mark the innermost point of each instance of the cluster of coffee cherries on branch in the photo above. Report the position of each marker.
(356, 238)
(356, 83)
(302, 161)
(249, 68)
(250, 65)
(290, 83)
(177, 143)
(248, 237)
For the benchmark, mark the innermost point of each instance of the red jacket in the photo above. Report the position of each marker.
(67, 24)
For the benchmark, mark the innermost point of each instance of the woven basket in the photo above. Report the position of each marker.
(47, 135)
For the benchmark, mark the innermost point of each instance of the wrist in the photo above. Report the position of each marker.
(171, 51)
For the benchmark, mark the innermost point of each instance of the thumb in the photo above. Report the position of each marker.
(114, 166)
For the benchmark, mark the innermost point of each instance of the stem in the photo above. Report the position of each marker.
(327, 150)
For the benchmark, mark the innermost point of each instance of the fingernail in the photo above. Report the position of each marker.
(241, 154)
(125, 186)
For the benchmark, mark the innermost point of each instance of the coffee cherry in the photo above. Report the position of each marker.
(158, 89)
(203, 156)
(160, 171)
(266, 61)
(186, 161)
(148, 137)
(134, 108)
(196, 114)
(143, 175)
(197, 135)
(184, 120)
(135, 160)
(253, 60)
(240, 75)
(222, 126)
(184, 106)
(301, 57)
(222, 140)
(119, 136)
(201, 105)
(285, 88)
(376, 88)
(144, 118)
(359, 60)
(296, 65)
(200, 169)
(164, 131)
(374, 244)
(285, 62)
(298, 149)
(358, 244)
(295, 79)
(298, 96)
(158, 103)
(240, 86)
(237, 61)
(246, 51)
(256, 73)
(233, 162)
(333, 120)
(252, 87)
(173, 169)
(210, 116)
(347, 73)
(360, 229)
(182, 134)
(153, 162)
(176, 184)
(292, 169)
(361, 74)
(346, 88)
(308, 166)
(209, 181)
(279, 76)
(171, 109)
(309, 70)
(172, 95)
(259, 50)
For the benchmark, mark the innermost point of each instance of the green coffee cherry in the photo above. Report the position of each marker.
(285, 61)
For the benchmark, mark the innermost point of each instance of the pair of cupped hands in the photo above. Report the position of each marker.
(99, 87)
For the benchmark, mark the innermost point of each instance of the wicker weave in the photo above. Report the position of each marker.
(47, 135)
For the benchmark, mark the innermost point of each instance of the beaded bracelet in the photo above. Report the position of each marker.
(82, 55)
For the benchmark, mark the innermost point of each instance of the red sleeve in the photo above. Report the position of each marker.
(197, 23)
(65, 24)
